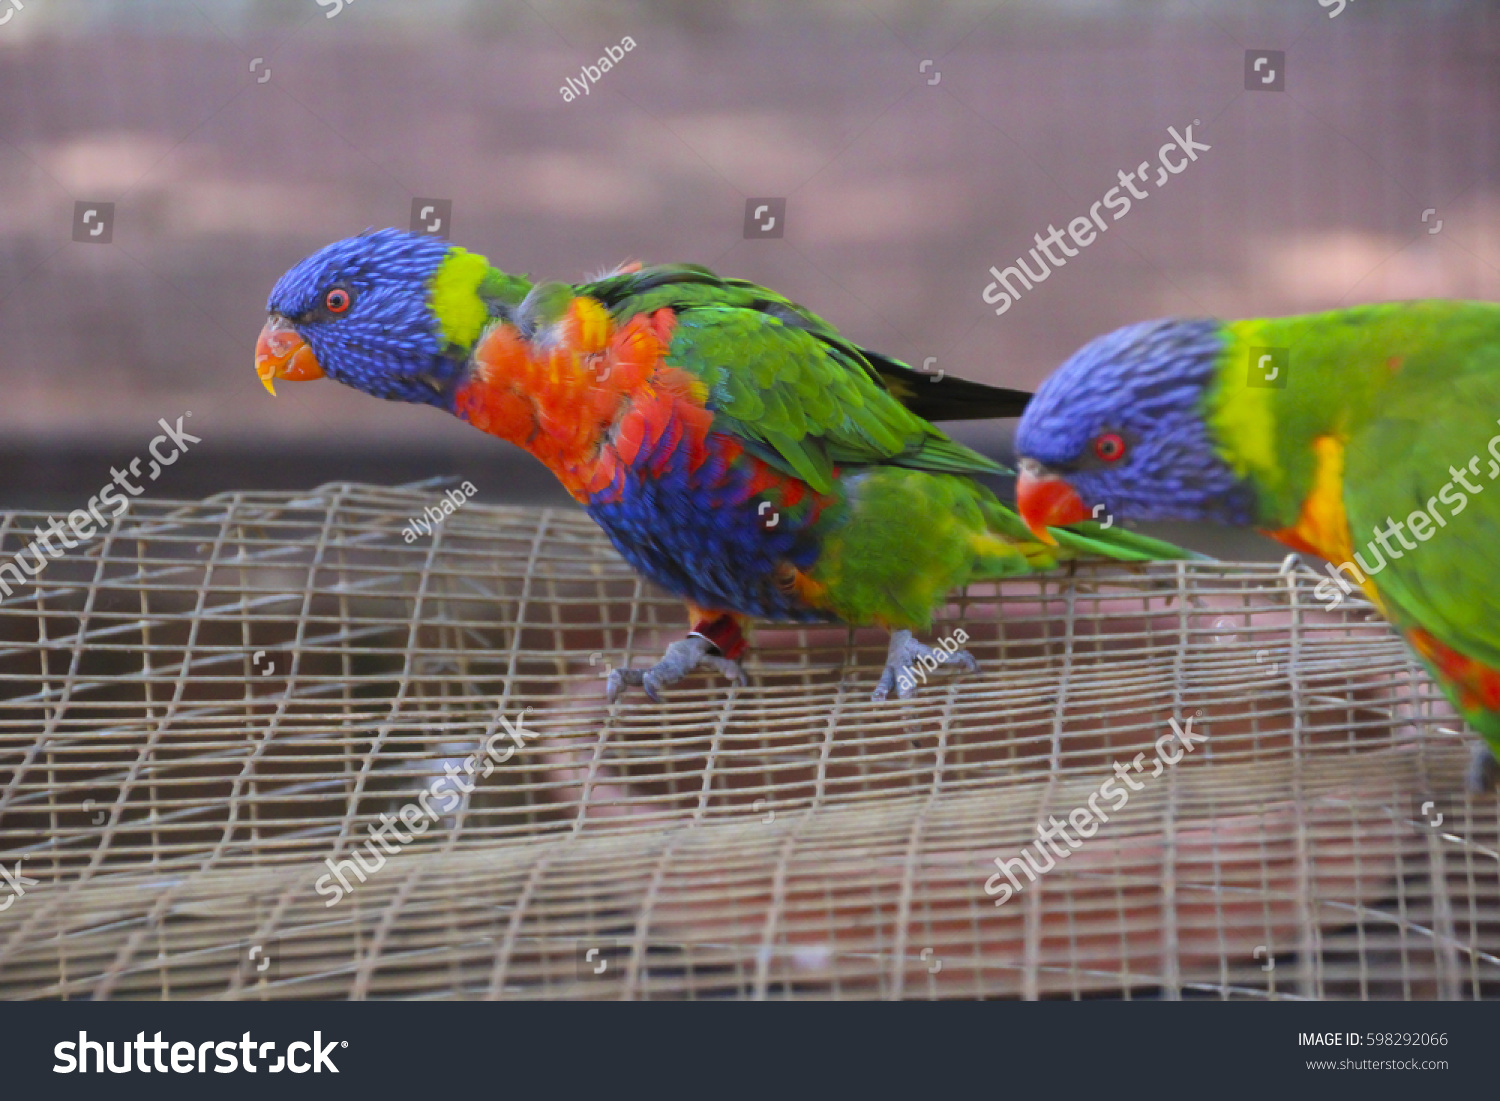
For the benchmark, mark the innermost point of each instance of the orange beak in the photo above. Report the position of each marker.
(282, 353)
(1046, 501)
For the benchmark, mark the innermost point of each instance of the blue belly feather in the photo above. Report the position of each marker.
(700, 535)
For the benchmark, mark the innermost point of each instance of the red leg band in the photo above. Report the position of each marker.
(725, 635)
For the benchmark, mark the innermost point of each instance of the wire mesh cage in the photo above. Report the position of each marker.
(282, 746)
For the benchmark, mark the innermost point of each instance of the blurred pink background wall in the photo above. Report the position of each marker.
(903, 181)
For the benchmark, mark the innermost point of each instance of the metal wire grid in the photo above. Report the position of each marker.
(213, 704)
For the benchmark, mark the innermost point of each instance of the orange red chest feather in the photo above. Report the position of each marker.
(587, 396)
(1478, 685)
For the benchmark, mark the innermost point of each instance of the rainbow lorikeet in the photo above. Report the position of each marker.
(1357, 435)
(736, 449)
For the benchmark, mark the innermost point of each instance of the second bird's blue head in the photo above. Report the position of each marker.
(1121, 428)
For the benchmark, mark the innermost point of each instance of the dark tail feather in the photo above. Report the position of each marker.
(946, 398)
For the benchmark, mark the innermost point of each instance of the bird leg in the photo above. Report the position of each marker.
(1483, 770)
(908, 662)
(716, 640)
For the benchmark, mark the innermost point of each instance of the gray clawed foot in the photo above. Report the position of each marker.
(1483, 770)
(908, 662)
(681, 658)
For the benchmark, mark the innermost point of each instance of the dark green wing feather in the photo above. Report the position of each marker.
(945, 398)
(685, 286)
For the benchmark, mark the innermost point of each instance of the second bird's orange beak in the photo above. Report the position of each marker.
(1046, 501)
(282, 353)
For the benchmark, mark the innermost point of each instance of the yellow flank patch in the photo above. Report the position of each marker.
(1323, 526)
(592, 326)
(1241, 415)
(991, 546)
(813, 593)
(454, 297)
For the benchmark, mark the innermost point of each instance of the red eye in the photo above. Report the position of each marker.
(337, 300)
(1110, 447)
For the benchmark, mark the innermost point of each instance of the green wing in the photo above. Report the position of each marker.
(1439, 411)
(805, 405)
(785, 382)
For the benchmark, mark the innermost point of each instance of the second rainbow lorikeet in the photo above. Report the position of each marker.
(735, 448)
(1357, 435)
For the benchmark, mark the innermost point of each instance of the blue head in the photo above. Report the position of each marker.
(1120, 427)
(360, 311)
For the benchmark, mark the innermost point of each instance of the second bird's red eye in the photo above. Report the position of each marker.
(337, 300)
(1110, 447)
